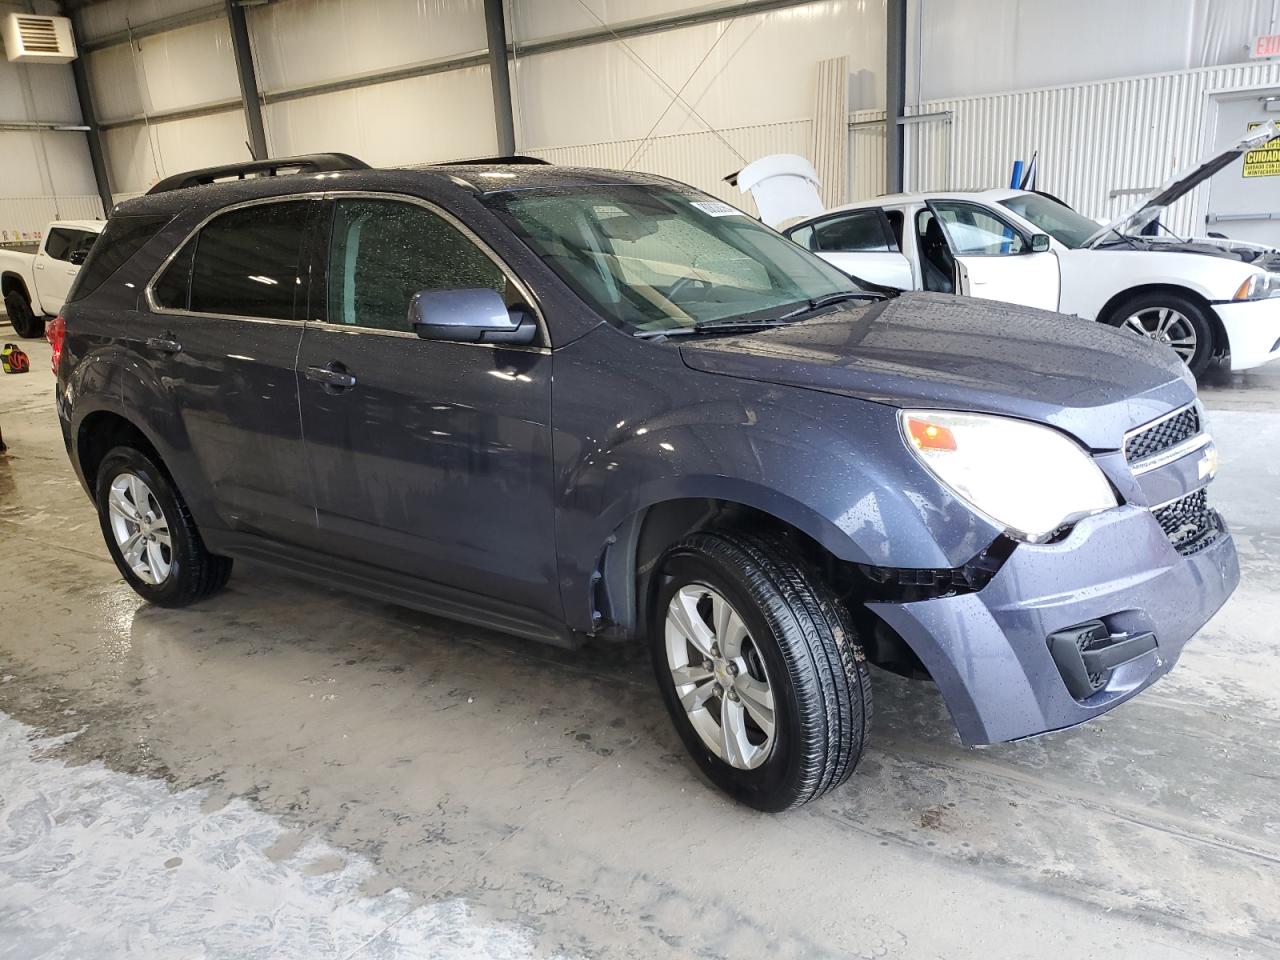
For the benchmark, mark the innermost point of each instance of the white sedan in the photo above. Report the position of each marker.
(1203, 297)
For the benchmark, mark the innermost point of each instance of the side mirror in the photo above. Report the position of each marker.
(77, 257)
(471, 315)
(1039, 243)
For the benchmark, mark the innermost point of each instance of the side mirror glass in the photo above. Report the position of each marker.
(1039, 243)
(77, 257)
(471, 315)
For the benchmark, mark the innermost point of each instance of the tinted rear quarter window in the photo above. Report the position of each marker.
(122, 238)
(247, 261)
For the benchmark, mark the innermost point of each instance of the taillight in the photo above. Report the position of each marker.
(55, 333)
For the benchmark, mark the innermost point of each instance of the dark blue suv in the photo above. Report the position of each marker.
(583, 405)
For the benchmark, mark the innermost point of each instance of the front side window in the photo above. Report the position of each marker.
(655, 258)
(975, 231)
(382, 252)
(243, 263)
(58, 246)
(857, 232)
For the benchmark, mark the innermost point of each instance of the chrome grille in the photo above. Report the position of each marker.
(1149, 441)
(1189, 522)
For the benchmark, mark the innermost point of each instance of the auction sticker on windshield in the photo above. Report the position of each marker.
(1265, 161)
(716, 208)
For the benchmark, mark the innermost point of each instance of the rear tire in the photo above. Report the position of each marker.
(788, 679)
(25, 322)
(151, 535)
(1172, 319)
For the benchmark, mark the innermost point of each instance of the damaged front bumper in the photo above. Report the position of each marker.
(1116, 577)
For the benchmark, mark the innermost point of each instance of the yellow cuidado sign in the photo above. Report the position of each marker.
(1265, 161)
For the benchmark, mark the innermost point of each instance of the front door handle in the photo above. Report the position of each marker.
(333, 376)
(165, 343)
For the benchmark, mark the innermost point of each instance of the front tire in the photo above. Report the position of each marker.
(1172, 319)
(760, 669)
(25, 322)
(151, 535)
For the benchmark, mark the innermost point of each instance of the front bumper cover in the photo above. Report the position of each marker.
(1253, 331)
(989, 651)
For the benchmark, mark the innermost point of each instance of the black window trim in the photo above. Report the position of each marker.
(314, 252)
(837, 214)
(149, 292)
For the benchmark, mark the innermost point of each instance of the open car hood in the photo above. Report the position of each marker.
(1182, 183)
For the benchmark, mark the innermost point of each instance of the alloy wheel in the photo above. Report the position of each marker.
(140, 529)
(720, 677)
(1165, 325)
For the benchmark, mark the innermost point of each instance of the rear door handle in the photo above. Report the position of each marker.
(333, 376)
(166, 343)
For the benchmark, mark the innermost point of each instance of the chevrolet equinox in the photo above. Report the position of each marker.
(582, 405)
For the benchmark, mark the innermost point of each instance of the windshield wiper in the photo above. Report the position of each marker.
(727, 325)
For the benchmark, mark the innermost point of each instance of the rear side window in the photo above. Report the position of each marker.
(122, 238)
(382, 252)
(244, 263)
(857, 232)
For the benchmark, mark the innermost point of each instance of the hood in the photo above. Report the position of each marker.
(945, 352)
(1180, 184)
(1264, 257)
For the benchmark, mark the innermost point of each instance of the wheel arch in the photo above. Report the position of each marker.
(100, 431)
(11, 281)
(1112, 307)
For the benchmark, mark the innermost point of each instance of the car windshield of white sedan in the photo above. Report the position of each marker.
(1060, 222)
(655, 259)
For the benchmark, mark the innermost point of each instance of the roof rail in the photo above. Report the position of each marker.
(309, 163)
(513, 159)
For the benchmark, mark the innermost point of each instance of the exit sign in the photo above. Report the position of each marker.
(1267, 46)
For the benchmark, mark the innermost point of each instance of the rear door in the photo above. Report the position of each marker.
(993, 258)
(429, 459)
(860, 243)
(222, 337)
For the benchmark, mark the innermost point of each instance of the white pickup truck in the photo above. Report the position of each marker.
(35, 285)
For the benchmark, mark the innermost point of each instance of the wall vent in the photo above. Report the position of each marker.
(32, 38)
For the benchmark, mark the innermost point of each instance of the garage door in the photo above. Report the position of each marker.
(1244, 199)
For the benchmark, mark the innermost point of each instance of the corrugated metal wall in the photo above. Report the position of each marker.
(703, 159)
(1101, 144)
(23, 219)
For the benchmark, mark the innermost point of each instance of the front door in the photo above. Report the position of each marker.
(57, 264)
(992, 258)
(223, 339)
(1244, 199)
(428, 458)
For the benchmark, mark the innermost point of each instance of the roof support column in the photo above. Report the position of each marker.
(97, 153)
(495, 23)
(895, 93)
(248, 80)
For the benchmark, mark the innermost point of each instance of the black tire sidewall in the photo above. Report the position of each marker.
(129, 460)
(25, 323)
(767, 786)
(1206, 338)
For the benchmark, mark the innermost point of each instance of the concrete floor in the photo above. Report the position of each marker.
(287, 772)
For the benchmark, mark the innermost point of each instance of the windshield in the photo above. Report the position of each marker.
(656, 258)
(1049, 216)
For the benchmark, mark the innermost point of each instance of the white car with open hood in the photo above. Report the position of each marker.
(1202, 297)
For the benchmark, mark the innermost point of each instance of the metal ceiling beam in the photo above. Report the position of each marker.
(495, 25)
(153, 27)
(248, 80)
(93, 133)
(464, 61)
(895, 93)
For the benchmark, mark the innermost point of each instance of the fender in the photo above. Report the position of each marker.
(795, 454)
(11, 279)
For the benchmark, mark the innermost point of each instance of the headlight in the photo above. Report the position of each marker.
(1260, 286)
(1027, 478)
